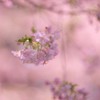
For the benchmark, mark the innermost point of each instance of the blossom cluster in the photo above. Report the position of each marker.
(39, 48)
(66, 91)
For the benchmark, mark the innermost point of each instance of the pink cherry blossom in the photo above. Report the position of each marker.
(55, 35)
(16, 53)
(40, 49)
(41, 37)
(66, 91)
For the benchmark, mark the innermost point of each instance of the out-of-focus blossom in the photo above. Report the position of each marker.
(63, 90)
(57, 81)
(91, 59)
(8, 3)
(55, 35)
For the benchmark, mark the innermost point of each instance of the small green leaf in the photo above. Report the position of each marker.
(24, 40)
(20, 40)
(30, 40)
(26, 36)
(32, 37)
(33, 29)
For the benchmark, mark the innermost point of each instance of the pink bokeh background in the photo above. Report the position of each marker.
(79, 44)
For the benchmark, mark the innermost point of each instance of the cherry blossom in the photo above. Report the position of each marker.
(39, 47)
(63, 90)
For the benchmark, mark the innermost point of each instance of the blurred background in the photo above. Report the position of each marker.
(79, 47)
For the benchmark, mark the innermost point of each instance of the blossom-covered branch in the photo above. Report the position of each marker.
(39, 48)
(66, 91)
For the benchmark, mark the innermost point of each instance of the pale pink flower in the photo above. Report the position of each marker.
(28, 53)
(55, 35)
(41, 37)
(16, 53)
(68, 86)
(57, 81)
(41, 55)
(48, 29)
(54, 46)
(50, 54)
